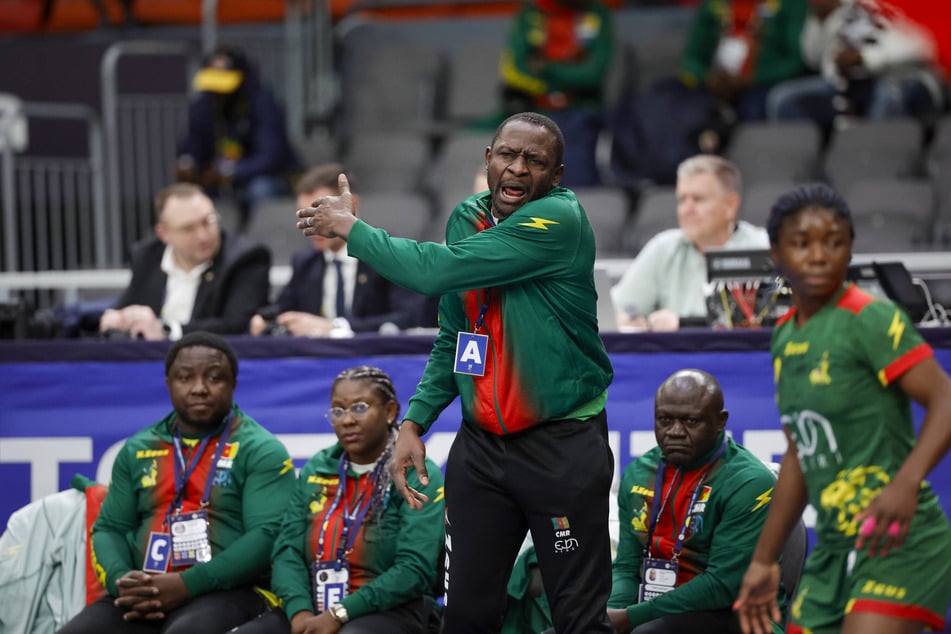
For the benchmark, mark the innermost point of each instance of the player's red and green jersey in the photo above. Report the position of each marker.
(534, 271)
(252, 485)
(837, 393)
(722, 528)
(395, 553)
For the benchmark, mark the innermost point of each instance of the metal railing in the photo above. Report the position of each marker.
(53, 207)
(929, 266)
(72, 285)
(140, 132)
(209, 25)
(311, 88)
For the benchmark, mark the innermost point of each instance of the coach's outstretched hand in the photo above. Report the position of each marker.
(329, 216)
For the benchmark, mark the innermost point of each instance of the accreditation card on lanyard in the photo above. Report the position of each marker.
(187, 542)
(471, 347)
(659, 576)
(332, 578)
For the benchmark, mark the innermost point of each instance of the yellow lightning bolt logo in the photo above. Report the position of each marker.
(288, 465)
(896, 329)
(538, 223)
(763, 499)
(441, 495)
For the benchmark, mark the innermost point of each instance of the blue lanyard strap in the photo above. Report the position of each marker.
(655, 511)
(183, 470)
(341, 485)
(485, 304)
(352, 518)
(485, 307)
(656, 506)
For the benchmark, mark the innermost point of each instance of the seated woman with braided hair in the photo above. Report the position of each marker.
(356, 558)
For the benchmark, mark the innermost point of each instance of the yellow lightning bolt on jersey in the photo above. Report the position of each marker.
(288, 466)
(896, 329)
(763, 499)
(441, 494)
(538, 223)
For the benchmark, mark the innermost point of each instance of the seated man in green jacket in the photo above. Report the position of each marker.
(194, 505)
(690, 510)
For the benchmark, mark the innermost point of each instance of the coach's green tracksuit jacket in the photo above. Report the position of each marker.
(534, 273)
(252, 486)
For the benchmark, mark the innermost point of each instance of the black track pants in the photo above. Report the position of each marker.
(554, 480)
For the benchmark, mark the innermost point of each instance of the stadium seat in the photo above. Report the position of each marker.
(865, 150)
(776, 151)
(608, 210)
(892, 215)
(656, 211)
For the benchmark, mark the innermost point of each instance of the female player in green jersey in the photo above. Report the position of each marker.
(847, 366)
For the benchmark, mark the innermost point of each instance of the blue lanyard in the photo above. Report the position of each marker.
(352, 518)
(485, 305)
(183, 470)
(655, 511)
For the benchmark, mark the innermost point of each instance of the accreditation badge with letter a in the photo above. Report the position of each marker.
(471, 349)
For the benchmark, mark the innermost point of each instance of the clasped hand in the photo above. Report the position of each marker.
(329, 216)
(151, 597)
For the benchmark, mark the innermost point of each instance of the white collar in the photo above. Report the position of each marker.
(171, 267)
(338, 256)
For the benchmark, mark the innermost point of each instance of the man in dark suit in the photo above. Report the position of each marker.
(329, 292)
(191, 275)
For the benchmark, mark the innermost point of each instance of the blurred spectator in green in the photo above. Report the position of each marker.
(738, 49)
(555, 62)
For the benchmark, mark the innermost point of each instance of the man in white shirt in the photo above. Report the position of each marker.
(319, 301)
(665, 281)
(190, 275)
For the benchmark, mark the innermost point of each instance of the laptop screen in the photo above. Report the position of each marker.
(739, 265)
